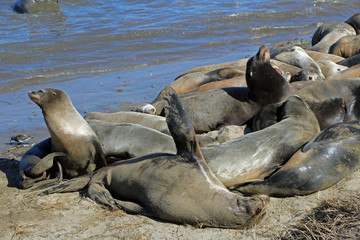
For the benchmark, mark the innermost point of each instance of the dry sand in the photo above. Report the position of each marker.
(24, 215)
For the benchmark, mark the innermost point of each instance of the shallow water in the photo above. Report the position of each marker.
(106, 55)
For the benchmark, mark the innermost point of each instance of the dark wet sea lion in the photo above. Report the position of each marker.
(346, 46)
(348, 90)
(235, 106)
(354, 21)
(327, 159)
(179, 188)
(351, 61)
(70, 133)
(261, 152)
(28, 6)
(328, 33)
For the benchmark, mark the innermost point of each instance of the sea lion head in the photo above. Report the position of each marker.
(309, 74)
(49, 97)
(265, 84)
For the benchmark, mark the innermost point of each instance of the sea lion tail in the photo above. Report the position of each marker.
(72, 185)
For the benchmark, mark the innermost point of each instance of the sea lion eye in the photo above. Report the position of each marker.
(310, 78)
(54, 94)
(251, 74)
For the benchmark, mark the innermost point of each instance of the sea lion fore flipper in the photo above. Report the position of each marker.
(72, 185)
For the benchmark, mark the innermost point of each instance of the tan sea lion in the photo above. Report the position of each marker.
(151, 121)
(346, 46)
(351, 72)
(70, 133)
(316, 56)
(178, 188)
(261, 152)
(235, 106)
(308, 74)
(324, 161)
(328, 34)
(329, 68)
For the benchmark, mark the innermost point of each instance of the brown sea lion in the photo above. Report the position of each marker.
(235, 106)
(346, 46)
(70, 133)
(324, 161)
(188, 82)
(328, 34)
(261, 152)
(178, 188)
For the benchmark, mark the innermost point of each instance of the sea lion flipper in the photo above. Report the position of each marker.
(131, 207)
(98, 193)
(46, 162)
(72, 185)
(179, 122)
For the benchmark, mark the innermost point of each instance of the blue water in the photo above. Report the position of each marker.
(92, 49)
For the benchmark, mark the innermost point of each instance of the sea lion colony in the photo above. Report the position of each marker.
(301, 136)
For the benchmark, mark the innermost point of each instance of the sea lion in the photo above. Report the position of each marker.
(35, 162)
(127, 140)
(329, 68)
(316, 56)
(186, 83)
(295, 56)
(308, 74)
(261, 152)
(178, 188)
(70, 133)
(328, 34)
(324, 161)
(29, 6)
(235, 106)
(351, 61)
(346, 46)
(346, 91)
(351, 72)
(147, 120)
(354, 21)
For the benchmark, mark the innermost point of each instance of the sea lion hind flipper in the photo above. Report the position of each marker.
(72, 185)
(242, 184)
(133, 208)
(179, 122)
